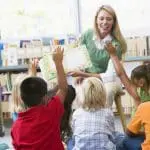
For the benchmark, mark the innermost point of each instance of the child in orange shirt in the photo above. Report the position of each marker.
(139, 88)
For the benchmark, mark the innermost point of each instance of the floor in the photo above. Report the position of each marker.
(7, 139)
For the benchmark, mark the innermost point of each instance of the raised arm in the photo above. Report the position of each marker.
(32, 69)
(130, 87)
(61, 77)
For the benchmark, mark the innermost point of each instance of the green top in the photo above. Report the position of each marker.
(143, 95)
(99, 57)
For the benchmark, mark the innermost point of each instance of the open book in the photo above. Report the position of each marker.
(74, 59)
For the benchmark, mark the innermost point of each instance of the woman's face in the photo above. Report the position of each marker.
(104, 23)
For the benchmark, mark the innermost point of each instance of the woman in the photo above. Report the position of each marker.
(106, 28)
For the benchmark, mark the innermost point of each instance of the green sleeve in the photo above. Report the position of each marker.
(83, 39)
(85, 36)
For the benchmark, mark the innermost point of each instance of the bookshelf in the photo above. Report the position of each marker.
(15, 69)
(4, 104)
(24, 68)
(130, 62)
(137, 58)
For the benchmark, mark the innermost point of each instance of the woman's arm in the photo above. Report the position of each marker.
(80, 75)
(83, 74)
(130, 87)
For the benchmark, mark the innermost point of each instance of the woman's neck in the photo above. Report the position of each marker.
(102, 36)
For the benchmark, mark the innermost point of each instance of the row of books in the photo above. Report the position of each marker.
(138, 46)
(19, 52)
(15, 52)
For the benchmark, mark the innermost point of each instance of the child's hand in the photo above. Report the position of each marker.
(110, 48)
(33, 66)
(58, 55)
(34, 62)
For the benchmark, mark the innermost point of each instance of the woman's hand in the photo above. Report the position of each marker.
(79, 76)
(75, 73)
(79, 80)
(110, 48)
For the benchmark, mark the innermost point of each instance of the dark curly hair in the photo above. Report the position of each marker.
(65, 127)
(142, 71)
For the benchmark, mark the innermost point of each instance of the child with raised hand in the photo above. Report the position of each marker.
(92, 123)
(65, 128)
(139, 85)
(17, 104)
(39, 126)
(139, 88)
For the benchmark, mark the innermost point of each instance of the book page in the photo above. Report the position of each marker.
(74, 59)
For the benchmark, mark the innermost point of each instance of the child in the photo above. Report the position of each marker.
(39, 126)
(17, 104)
(135, 139)
(92, 123)
(65, 128)
(139, 88)
(139, 85)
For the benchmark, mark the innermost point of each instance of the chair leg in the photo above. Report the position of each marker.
(120, 111)
(2, 133)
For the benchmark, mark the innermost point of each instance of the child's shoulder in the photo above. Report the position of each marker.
(145, 105)
(55, 99)
(107, 111)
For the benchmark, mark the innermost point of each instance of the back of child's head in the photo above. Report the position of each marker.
(92, 94)
(17, 104)
(33, 90)
(142, 71)
(65, 122)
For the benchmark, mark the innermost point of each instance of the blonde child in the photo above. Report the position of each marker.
(92, 123)
(17, 104)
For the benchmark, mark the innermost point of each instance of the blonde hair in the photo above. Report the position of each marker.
(92, 94)
(116, 33)
(17, 104)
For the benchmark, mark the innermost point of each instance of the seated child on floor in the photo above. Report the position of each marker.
(65, 128)
(39, 126)
(139, 88)
(92, 123)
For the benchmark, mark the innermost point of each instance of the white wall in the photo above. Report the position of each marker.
(51, 17)
(133, 15)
